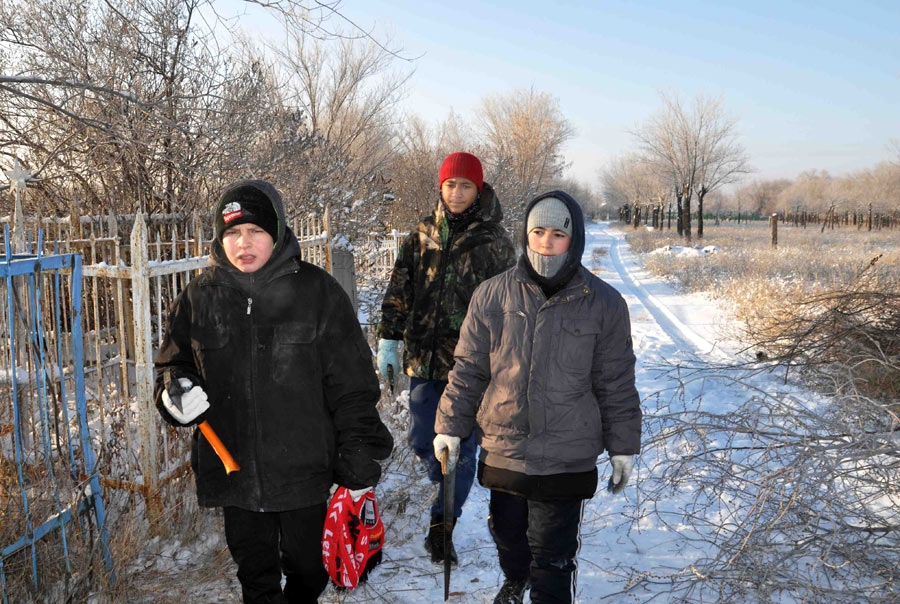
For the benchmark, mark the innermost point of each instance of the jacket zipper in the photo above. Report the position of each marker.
(445, 260)
(253, 376)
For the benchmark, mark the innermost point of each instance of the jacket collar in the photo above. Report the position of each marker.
(576, 285)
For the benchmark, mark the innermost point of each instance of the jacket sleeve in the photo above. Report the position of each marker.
(613, 382)
(351, 393)
(175, 356)
(471, 372)
(398, 298)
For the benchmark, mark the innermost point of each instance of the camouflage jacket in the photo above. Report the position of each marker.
(438, 268)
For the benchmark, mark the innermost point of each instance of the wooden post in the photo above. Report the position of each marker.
(143, 368)
(17, 241)
(773, 222)
(329, 266)
(198, 233)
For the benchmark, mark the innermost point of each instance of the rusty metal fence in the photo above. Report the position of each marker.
(51, 502)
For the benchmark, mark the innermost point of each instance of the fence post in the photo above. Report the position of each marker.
(773, 222)
(198, 233)
(143, 367)
(329, 265)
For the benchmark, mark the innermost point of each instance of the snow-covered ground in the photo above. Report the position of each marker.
(622, 536)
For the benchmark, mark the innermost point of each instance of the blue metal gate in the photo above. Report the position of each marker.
(45, 453)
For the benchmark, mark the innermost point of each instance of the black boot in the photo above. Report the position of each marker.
(434, 541)
(512, 592)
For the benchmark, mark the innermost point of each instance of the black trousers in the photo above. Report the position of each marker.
(266, 544)
(538, 540)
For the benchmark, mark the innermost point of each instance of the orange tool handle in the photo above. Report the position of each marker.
(213, 439)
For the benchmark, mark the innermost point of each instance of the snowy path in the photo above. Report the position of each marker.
(666, 327)
(676, 315)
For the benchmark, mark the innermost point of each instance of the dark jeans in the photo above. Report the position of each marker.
(538, 540)
(266, 544)
(424, 396)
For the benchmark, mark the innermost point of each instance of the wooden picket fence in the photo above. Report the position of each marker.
(377, 255)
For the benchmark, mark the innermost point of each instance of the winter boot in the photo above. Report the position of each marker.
(512, 592)
(434, 541)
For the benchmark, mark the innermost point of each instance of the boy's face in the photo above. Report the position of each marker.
(247, 246)
(548, 242)
(459, 193)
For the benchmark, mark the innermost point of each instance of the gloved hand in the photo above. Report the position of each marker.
(621, 472)
(387, 355)
(451, 443)
(357, 494)
(193, 402)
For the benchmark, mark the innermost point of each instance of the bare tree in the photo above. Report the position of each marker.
(138, 104)
(129, 106)
(414, 182)
(347, 96)
(633, 181)
(586, 197)
(695, 147)
(759, 196)
(722, 159)
(810, 189)
(521, 134)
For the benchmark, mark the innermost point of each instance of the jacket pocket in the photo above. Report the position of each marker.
(293, 353)
(209, 344)
(576, 428)
(576, 348)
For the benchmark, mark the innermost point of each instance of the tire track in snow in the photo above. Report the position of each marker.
(681, 334)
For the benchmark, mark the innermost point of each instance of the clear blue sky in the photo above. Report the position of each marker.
(814, 85)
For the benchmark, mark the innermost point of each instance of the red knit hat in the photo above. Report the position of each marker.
(464, 165)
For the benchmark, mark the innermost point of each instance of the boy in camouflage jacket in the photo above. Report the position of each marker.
(439, 265)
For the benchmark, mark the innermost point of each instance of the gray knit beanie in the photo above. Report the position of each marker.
(549, 213)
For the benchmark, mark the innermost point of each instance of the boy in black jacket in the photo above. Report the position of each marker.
(267, 349)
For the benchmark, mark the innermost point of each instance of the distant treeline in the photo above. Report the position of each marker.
(666, 216)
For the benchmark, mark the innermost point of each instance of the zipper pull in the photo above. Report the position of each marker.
(249, 303)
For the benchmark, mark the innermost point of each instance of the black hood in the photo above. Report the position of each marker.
(286, 245)
(576, 247)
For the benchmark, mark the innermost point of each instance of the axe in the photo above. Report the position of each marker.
(449, 495)
(174, 389)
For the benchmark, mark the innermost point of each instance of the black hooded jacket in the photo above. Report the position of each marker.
(289, 376)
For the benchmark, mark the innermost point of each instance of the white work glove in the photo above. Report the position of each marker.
(357, 494)
(451, 443)
(193, 402)
(387, 355)
(621, 472)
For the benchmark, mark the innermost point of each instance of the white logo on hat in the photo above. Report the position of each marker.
(231, 211)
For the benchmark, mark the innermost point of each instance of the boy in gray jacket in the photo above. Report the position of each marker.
(545, 369)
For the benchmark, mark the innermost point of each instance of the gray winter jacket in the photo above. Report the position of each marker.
(549, 383)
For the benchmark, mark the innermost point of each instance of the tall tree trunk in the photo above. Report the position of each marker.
(679, 220)
(686, 214)
(700, 196)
